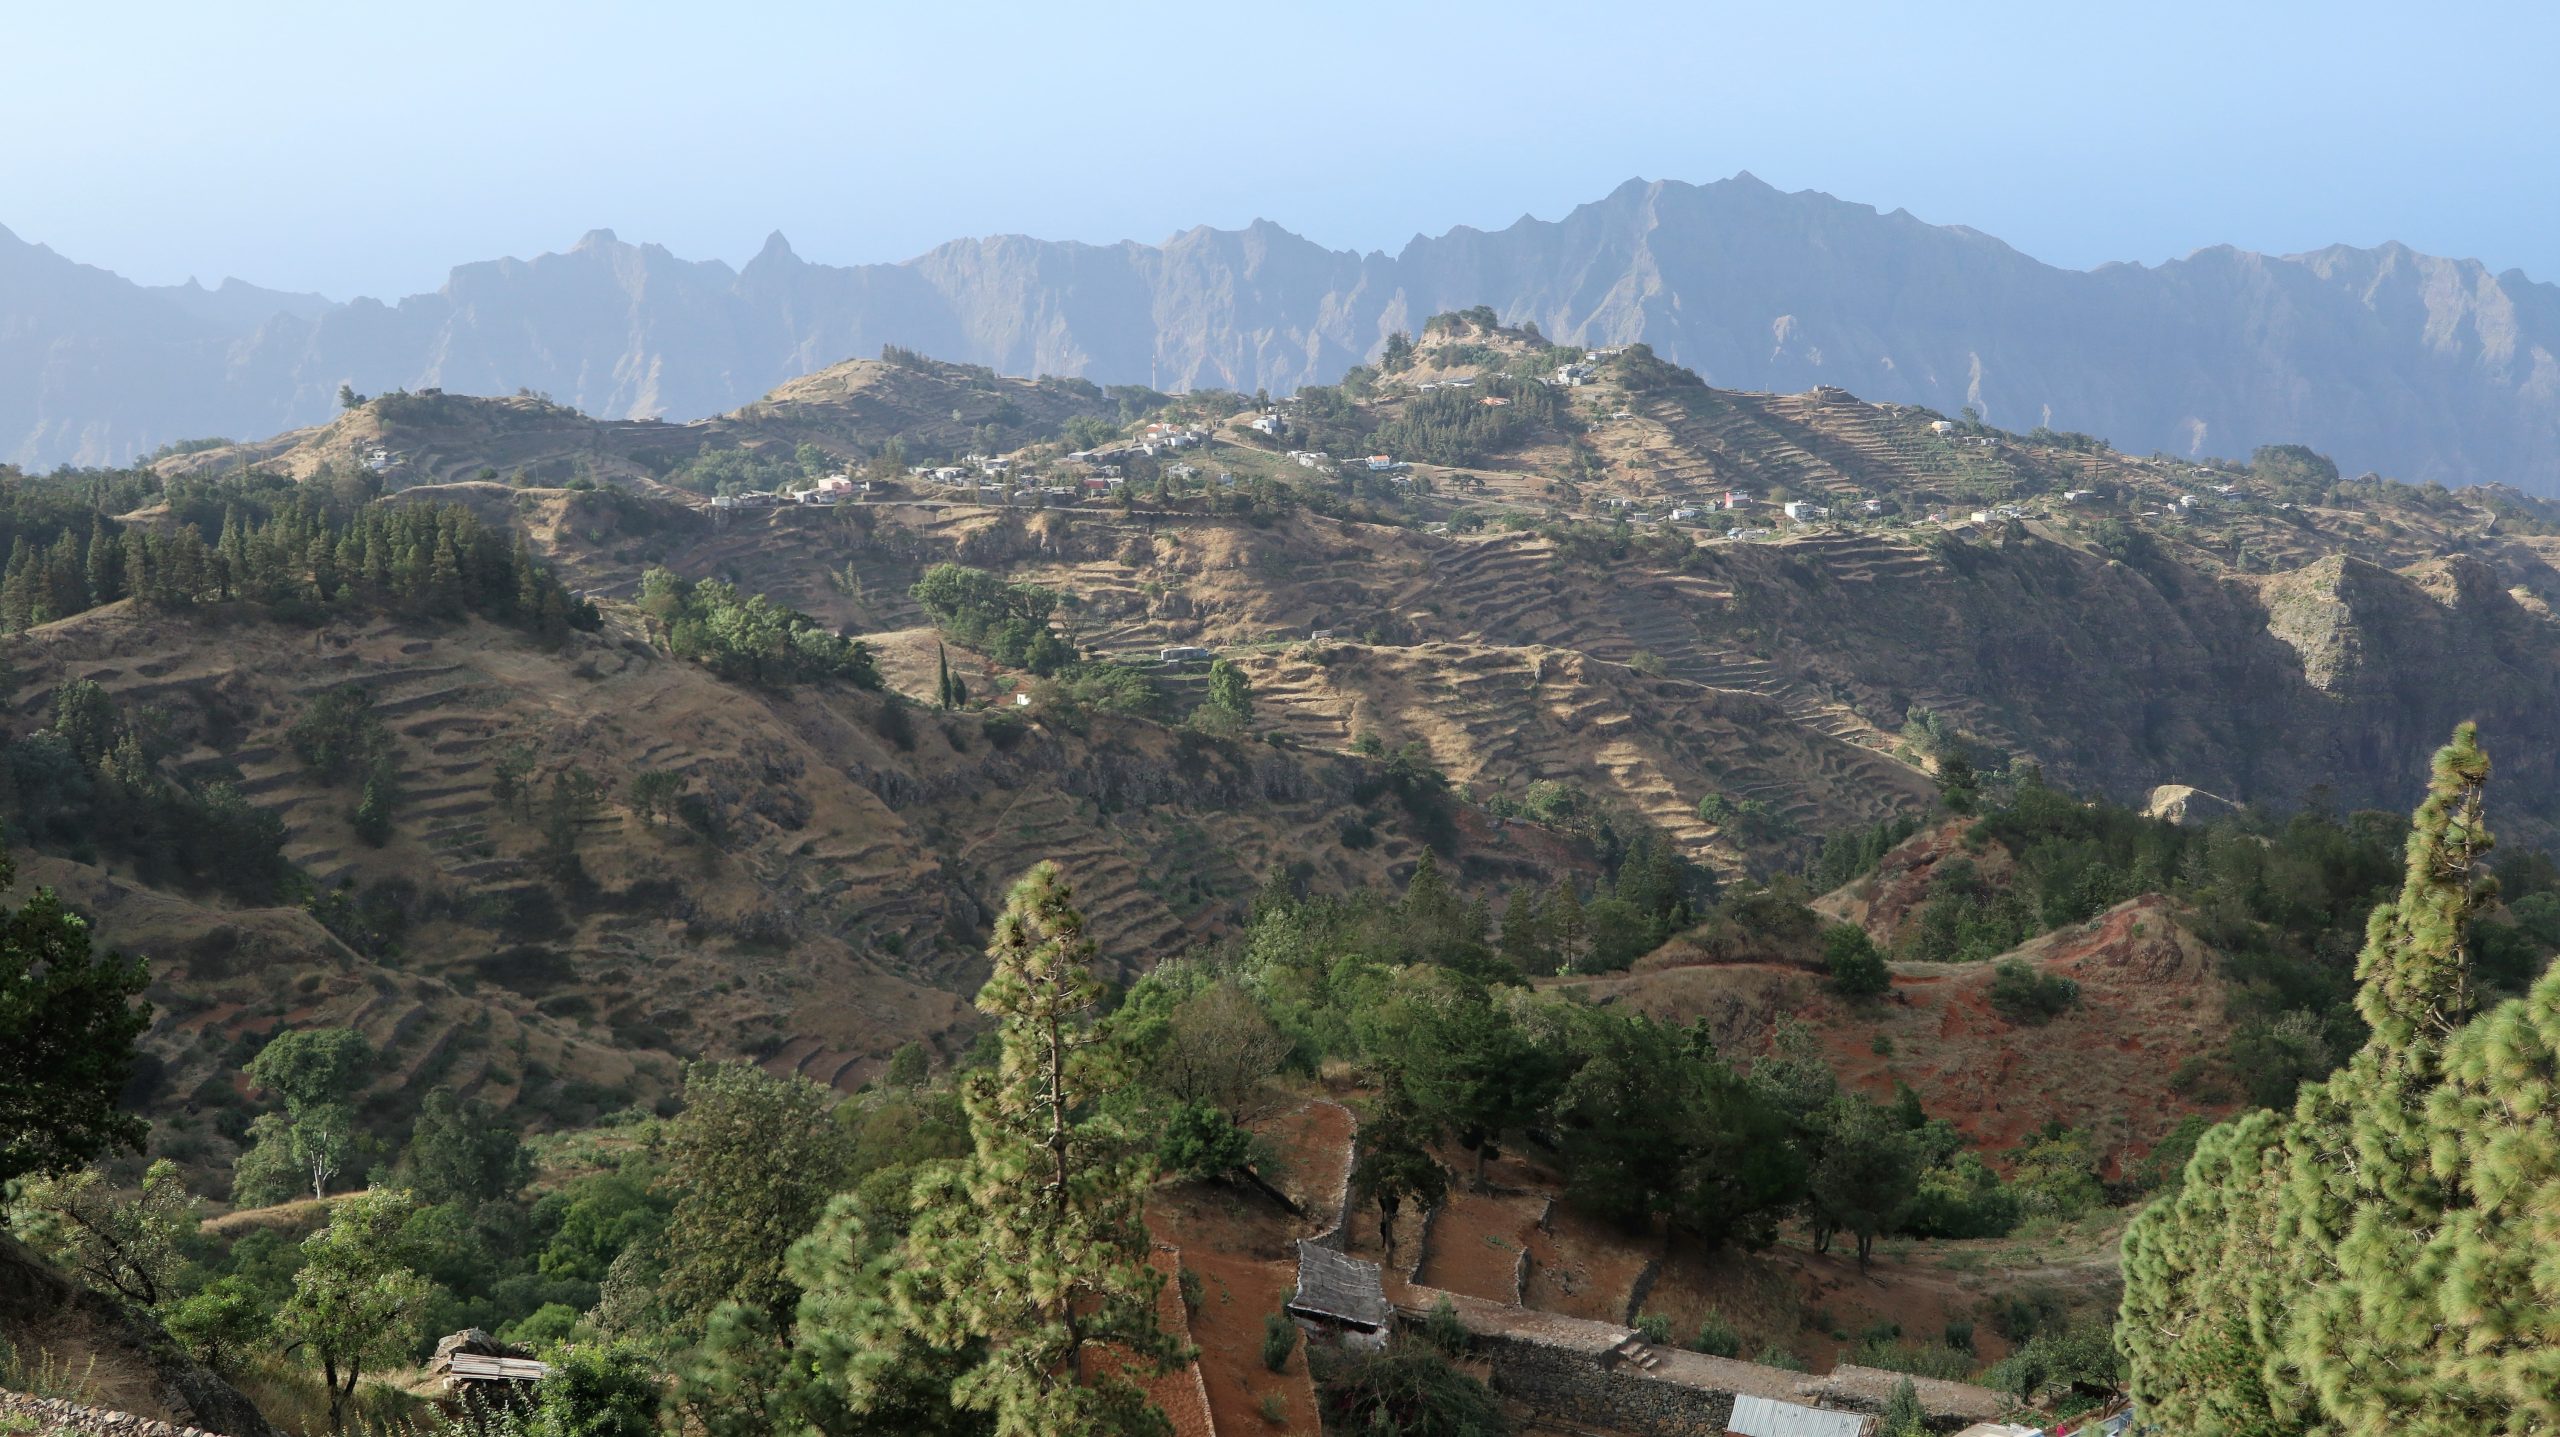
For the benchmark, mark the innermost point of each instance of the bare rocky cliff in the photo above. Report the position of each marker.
(2420, 367)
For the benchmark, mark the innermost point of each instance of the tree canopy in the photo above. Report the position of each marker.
(68, 1022)
(2376, 1260)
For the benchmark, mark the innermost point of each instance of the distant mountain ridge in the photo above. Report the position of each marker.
(2416, 366)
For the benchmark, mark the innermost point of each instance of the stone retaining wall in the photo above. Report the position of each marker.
(1561, 1384)
(52, 1416)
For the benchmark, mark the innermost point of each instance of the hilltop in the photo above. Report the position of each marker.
(433, 436)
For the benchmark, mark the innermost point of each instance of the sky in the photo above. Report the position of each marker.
(358, 149)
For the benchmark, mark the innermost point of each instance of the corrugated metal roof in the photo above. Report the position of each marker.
(1343, 1288)
(476, 1367)
(1768, 1417)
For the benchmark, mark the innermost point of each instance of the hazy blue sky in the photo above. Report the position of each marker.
(355, 148)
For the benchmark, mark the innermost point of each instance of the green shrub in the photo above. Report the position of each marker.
(1442, 1329)
(1857, 969)
(1279, 1339)
(1717, 1337)
(1775, 1356)
(2022, 995)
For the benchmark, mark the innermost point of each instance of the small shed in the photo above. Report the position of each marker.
(482, 1376)
(1339, 1291)
(1769, 1417)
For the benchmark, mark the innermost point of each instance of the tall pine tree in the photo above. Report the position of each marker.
(1029, 1255)
(2378, 1260)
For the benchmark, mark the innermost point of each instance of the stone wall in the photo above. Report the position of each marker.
(1557, 1383)
(51, 1417)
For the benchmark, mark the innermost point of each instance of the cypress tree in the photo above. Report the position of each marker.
(2376, 1261)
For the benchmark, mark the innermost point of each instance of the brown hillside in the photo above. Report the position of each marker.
(2151, 998)
(835, 916)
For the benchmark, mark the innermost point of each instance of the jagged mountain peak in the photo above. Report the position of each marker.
(2387, 359)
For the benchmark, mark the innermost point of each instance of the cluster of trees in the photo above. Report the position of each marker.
(2375, 1259)
(1227, 707)
(299, 555)
(738, 471)
(1843, 858)
(1008, 622)
(1650, 1123)
(91, 783)
(1455, 426)
(1650, 892)
(340, 739)
(442, 1239)
(1754, 820)
(963, 1257)
(752, 639)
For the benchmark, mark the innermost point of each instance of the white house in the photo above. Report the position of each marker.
(1181, 653)
(1803, 512)
(1270, 423)
(1942, 427)
(1684, 515)
(1381, 464)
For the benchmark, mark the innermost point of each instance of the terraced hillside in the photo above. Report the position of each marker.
(1500, 719)
(2252, 646)
(2114, 674)
(822, 903)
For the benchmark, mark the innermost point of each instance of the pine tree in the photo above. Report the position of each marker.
(2375, 1261)
(1567, 931)
(1029, 1254)
(1523, 934)
(942, 678)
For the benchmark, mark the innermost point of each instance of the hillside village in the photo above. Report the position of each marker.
(1909, 771)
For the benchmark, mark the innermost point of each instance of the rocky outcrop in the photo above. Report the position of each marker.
(2422, 367)
(2184, 803)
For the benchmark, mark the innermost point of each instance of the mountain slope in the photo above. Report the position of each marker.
(2422, 367)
